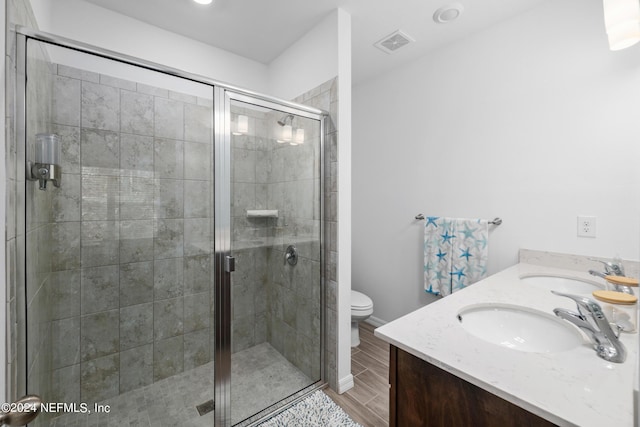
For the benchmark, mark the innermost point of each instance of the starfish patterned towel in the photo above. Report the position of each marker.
(455, 253)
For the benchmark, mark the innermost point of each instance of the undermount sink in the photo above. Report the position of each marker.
(562, 284)
(519, 328)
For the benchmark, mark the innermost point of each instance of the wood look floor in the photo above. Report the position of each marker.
(367, 403)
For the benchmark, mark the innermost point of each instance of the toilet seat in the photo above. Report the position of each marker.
(360, 303)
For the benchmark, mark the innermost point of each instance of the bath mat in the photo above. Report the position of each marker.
(317, 410)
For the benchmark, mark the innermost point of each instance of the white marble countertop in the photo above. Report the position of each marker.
(569, 388)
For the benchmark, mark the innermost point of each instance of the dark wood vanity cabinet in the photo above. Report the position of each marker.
(422, 394)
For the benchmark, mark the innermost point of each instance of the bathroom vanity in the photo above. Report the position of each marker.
(449, 365)
(457, 403)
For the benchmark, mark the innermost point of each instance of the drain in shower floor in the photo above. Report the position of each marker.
(206, 407)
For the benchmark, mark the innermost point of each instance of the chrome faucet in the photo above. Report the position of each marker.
(594, 323)
(612, 268)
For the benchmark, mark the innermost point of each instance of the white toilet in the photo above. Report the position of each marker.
(361, 309)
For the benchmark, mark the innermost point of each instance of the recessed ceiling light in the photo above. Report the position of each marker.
(448, 13)
(203, 1)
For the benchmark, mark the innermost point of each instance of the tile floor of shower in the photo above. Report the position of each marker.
(262, 377)
(267, 377)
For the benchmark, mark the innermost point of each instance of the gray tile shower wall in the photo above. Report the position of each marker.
(294, 292)
(134, 221)
(38, 230)
(251, 237)
(325, 97)
(26, 228)
(273, 300)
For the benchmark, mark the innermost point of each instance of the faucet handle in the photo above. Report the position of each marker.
(593, 321)
(610, 267)
(616, 269)
(585, 305)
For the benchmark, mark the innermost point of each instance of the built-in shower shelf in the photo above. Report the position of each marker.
(262, 213)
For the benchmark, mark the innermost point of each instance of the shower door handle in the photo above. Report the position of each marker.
(21, 412)
(230, 264)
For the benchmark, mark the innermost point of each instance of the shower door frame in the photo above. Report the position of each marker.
(223, 94)
(223, 251)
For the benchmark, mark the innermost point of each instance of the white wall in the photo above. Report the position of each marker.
(42, 10)
(533, 120)
(308, 63)
(344, 202)
(86, 22)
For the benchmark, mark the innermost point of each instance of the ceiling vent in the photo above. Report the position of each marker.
(394, 41)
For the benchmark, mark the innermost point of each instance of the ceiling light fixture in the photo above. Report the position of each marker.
(287, 133)
(242, 125)
(448, 13)
(622, 23)
(203, 1)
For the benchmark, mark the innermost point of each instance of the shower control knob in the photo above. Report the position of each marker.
(291, 255)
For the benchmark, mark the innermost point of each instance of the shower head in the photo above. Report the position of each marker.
(283, 121)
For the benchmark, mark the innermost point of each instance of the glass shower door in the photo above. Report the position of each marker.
(275, 235)
(119, 283)
(119, 295)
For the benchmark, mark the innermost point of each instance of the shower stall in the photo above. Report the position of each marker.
(174, 266)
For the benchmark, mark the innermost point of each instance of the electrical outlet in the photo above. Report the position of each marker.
(586, 226)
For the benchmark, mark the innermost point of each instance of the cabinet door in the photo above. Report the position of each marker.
(424, 395)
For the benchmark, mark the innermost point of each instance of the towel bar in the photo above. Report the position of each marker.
(496, 221)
